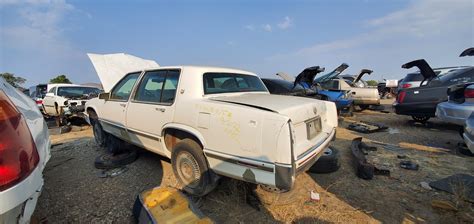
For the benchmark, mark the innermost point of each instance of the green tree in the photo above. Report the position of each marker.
(372, 83)
(60, 79)
(15, 81)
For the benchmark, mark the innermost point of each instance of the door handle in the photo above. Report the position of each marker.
(160, 109)
(123, 104)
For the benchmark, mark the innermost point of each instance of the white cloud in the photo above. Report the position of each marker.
(249, 27)
(267, 27)
(287, 23)
(435, 30)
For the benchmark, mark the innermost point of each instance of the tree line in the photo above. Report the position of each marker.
(17, 81)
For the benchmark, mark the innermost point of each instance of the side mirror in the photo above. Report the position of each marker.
(49, 94)
(104, 96)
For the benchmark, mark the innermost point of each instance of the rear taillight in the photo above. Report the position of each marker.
(39, 101)
(18, 154)
(469, 93)
(406, 85)
(401, 96)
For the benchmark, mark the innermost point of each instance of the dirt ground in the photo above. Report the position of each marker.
(74, 192)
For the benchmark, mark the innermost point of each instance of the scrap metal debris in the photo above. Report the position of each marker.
(365, 170)
(461, 184)
(425, 185)
(366, 127)
(409, 165)
(446, 205)
(112, 172)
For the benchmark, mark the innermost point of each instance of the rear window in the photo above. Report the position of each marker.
(413, 77)
(231, 83)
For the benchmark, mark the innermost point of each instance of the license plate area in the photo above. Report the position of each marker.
(313, 127)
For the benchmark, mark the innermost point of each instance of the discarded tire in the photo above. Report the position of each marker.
(327, 163)
(277, 197)
(110, 161)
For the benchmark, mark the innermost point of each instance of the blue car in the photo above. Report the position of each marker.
(304, 85)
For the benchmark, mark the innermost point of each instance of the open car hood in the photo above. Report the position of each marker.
(425, 68)
(112, 67)
(362, 73)
(467, 52)
(308, 74)
(332, 74)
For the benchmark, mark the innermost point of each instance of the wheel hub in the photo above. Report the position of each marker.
(188, 171)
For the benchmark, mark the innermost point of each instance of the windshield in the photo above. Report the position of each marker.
(455, 75)
(231, 83)
(78, 91)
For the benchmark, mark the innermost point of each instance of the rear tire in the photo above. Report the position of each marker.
(363, 107)
(191, 169)
(421, 119)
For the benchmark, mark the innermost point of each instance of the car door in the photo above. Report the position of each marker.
(48, 102)
(152, 107)
(112, 113)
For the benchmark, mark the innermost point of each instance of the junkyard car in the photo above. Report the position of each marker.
(414, 79)
(37, 93)
(212, 121)
(68, 99)
(24, 151)
(421, 102)
(306, 80)
(459, 106)
(362, 96)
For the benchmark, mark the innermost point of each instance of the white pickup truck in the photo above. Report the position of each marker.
(210, 121)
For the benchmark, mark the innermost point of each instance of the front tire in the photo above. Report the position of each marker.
(100, 137)
(191, 169)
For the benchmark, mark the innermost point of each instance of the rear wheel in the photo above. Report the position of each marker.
(363, 107)
(191, 169)
(421, 119)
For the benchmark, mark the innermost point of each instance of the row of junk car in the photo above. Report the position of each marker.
(212, 121)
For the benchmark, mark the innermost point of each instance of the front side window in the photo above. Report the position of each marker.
(124, 88)
(231, 83)
(158, 87)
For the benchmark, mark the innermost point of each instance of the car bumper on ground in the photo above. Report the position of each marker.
(19, 202)
(454, 113)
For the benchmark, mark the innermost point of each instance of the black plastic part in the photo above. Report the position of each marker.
(327, 163)
(110, 161)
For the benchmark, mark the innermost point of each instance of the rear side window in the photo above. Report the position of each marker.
(231, 83)
(158, 87)
(124, 88)
(52, 90)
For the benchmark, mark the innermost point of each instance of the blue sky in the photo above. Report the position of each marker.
(40, 39)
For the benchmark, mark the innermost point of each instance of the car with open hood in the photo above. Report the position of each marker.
(67, 100)
(209, 121)
(362, 96)
(421, 102)
(24, 152)
(304, 81)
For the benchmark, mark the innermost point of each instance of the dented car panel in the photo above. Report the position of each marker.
(248, 135)
(468, 134)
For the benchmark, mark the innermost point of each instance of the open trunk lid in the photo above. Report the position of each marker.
(286, 77)
(362, 73)
(425, 69)
(112, 67)
(467, 52)
(308, 74)
(332, 74)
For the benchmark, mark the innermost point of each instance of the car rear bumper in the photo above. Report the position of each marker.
(454, 113)
(18, 203)
(367, 101)
(413, 110)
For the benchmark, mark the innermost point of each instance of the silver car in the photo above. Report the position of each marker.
(469, 133)
(459, 106)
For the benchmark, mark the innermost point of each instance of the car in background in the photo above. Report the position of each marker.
(68, 100)
(362, 96)
(468, 135)
(459, 106)
(305, 80)
(37, 93)
(24, 152)
(414, 79)
(420, 102)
